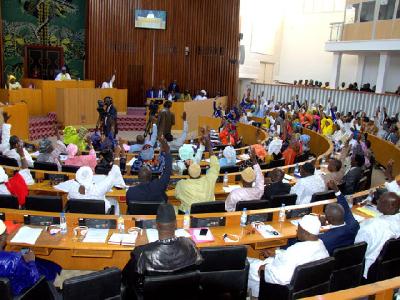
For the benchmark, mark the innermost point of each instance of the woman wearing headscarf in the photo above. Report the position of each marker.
(327, 126)
(50, 153)
(78, 160)
(72, 136)
(229, 158)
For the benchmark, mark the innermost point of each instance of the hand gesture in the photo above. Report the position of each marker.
(6, 116)
(20, 149)
(253, 156)
(164, 147)
(30, 256)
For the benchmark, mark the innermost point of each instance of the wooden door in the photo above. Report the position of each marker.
(136, 93)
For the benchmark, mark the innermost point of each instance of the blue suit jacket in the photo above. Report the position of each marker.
(344, 235)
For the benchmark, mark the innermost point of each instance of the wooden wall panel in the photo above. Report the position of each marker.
(144, 58)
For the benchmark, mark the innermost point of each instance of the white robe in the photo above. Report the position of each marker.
(26, 175)
(280, 269)
(375, 232)
(61, 77)
(306, 187)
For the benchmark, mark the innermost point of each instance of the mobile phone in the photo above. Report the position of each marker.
(203, 231)
(25, 251)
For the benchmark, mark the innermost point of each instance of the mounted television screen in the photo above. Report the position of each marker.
(150, 19)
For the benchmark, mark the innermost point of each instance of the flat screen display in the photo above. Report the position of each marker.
(150, 19)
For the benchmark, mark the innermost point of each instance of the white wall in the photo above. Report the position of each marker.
(393, 76)
(370, 70)
(303, 55)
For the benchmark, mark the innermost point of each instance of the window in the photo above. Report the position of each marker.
(367, 11)
(386, 9)
(352, 13)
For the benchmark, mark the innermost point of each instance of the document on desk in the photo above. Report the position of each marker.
(230, 188)
(267, 231)
(96, 235)
(27, 235)
(152, 234)
(124, 239)
(370, 210)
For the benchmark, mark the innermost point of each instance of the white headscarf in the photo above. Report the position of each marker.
(275, 146)
(84, 176)
(3, 175)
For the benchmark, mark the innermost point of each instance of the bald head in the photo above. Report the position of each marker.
(334, 213)
(389, 204)
(144, 174)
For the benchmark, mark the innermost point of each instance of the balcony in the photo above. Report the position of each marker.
(336, 31)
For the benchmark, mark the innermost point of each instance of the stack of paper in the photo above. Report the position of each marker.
(27, 235)
(125, 239)
(96, 236)
(230, 188)
(152, 234)
(358, 218)
(267, 231)
(369, 211)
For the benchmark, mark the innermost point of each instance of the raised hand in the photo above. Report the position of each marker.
(6, 116)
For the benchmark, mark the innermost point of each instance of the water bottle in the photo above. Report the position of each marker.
(225, 181)
(63, 224)
(191, 142)
(243, 218)
(121, 224)
(296, 169)
(282, 215)
(323, 160)
(186, 220)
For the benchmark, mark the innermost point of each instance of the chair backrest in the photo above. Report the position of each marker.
(85, 206)
(46, 166)
(323, 196)
(42, 290)
(300, 158)
(288, 199)
(44, 203)
(5, 289)
(349, 266)
(207, 207)
(224, 270)
(312, 278)
(387, 264)
(7, 161)
(172, 286)
(143, 208)
(362, 184)
(276, 163)
(69, 169)
(8, 201)
(104, 284)
(252, 205)
(229, 169)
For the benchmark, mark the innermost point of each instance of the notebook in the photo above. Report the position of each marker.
(27, 235)
(125, 239)
(96, 236)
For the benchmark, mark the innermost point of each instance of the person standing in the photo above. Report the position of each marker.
(110, 121)
(166, 119)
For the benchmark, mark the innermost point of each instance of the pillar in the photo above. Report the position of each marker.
(384, 61)
(335, 73)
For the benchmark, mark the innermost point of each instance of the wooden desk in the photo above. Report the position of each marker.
(19, 119)
(32, 97)
(78, 106)
(49, 88)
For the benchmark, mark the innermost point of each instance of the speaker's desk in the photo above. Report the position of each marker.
(49, 88)
(32, 97)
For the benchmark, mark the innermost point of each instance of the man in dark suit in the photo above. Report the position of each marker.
(353, 176)
(344, 226)
(275, 185)
(151, 93)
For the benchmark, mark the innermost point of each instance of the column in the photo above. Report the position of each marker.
(335, 73)
(360, 69)
(384, 61)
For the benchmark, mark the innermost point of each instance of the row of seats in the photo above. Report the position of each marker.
(225, 271)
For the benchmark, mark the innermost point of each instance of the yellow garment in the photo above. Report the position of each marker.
(327, 129)
(14, 86)
(267, 123)
(202, 189)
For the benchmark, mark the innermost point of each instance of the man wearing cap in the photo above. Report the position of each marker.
(198, 189)
(9, 145)
(247, 191)
(376, 231)
(188, 156)
(23, 270)
(308, 184)
(13, 84)
(201, 96)
(169, 254)
(83, 186)
(63, 75)
(279, 269)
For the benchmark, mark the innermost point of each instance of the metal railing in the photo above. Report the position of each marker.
(336, 31)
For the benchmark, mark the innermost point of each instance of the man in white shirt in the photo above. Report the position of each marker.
(247, 191)
(84, 186)
(63, 75)
(376, 231)
(175, 144)
(308, 184)
(279, 269)
(109, 85)
(9, 144)
(201, 96)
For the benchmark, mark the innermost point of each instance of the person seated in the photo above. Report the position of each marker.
(168, 255)
(198, 188)
(201, 96)
(76, 159)
(279, 268)
(335, 170)
(275, 147)
(275, 185)
(151, 93)
(9, 145)
(305, 142)
(141, 141)
(247, 191)
(376, 231)
(12, 83)
(354, 175)
(343, 226)
(229, 158)
(294, 149)
(174, 87)
(172, 96)
(175, 144)
(327, 126)
(185, 96)
(218, 110)
(23, 270)
(63, 75)
(148, 189)
(101, 142)
(50, 153)
(306, 119)
(188, 156)
(72, 136)
(229, 134)
(18, 184)
(309, 184)
(83, 187)
(392, 184)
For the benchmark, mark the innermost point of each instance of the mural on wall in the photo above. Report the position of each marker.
(44, 22)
